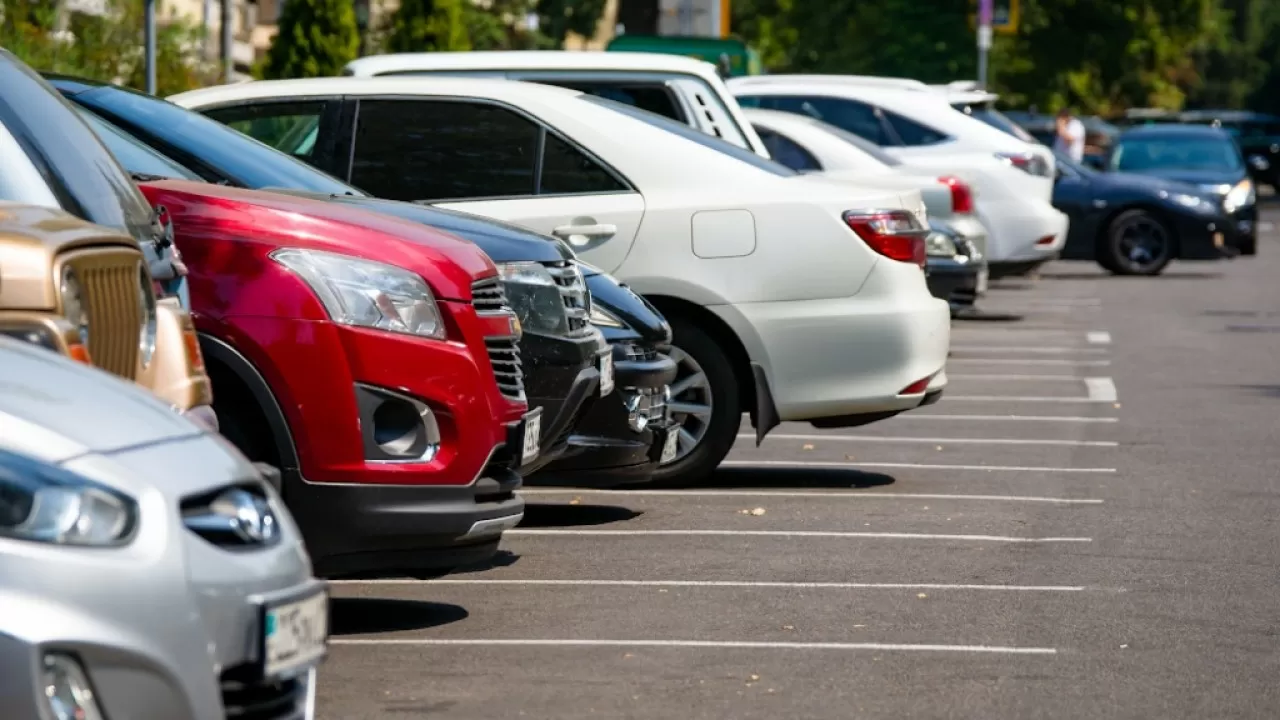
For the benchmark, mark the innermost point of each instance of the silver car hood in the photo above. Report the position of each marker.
(54, 408)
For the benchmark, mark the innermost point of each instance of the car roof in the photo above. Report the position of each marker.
(510, 90)
(860, 80)
(1175, 130)
(528, 60)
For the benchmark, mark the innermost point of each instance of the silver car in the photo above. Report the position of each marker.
(146, 568)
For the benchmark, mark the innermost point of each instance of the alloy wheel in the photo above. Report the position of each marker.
(691, 401)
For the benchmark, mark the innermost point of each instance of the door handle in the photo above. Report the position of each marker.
(582, 234)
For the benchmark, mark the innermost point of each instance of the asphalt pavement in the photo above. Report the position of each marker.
(1084, 527)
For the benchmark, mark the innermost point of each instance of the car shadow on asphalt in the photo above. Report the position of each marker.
(1271, 391)
(541, 515)
(762, 478)
(360, 616)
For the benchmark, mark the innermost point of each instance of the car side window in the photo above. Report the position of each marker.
(656, 98)
(290, 127)
(786, 151)
(856, 117)
(912, 133)
(442, 150)
(567, 171)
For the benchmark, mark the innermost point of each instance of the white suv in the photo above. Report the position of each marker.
(1013, 179)
(790, 297)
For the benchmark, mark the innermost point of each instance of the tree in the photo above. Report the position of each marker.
(427, 25)
(316, 39)
(558, 18)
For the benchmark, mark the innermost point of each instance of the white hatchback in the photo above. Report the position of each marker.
(791, 297)
(917, 124)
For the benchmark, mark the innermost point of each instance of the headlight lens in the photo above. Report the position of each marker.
(937, 244)
(535, 297)
(366, 293)
(67, 691)
(147, 309)
(73, 304)
(1193, 202)
(1242, 195)
(44, 503)
(603, 318)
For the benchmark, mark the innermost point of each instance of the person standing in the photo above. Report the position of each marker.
(1070, 135)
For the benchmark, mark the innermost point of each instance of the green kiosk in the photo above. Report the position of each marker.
(732, 56)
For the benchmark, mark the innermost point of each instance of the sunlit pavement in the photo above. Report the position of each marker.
(1084, 527)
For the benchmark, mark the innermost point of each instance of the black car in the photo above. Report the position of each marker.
(1257, 134)
(1206, 157)
(157, 139)
(1135, 224)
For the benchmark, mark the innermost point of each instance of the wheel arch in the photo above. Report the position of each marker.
(219, 354)
(671, 306)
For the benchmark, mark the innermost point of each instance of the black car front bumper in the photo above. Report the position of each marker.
(620, 439)
(562, 378)
(1213, 237)
(956, 282)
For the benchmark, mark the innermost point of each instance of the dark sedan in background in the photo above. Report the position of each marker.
(1134, 224)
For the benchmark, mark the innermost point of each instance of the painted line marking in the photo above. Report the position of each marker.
(815, 494)
(1098, 337)
(721, 584)
(799, 534)
(1020, 398)
(1015, 418)
(953, 376)
(940, 441)
(704, 644)
(913, 466)
(1030, 361)
(1101, 389)
(1034, 349)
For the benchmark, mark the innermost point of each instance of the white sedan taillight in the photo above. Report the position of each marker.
(895, 234)
(1027, 162)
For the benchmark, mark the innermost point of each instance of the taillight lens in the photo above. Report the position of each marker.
(1027, 162)
(961, 194)
(895, 234)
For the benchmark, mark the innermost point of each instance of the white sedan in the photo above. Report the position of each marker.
(791, 297)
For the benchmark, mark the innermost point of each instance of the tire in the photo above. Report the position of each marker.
(694, 350)
(1136, 242)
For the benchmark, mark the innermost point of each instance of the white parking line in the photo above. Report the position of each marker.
(1101, 389)
(913, 466)
(847, 494)
(1032, 349)
(1098, 337)
(1014, 418)
(1029, 361)
(704, 644)
(959, 376)
(1023, 398)
(579, 532)
(720, 584)
(939, 441)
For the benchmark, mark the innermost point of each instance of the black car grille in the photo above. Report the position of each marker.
(641, 354)
(487, 296)
(504, 356)
(282, 700)
(577, 302)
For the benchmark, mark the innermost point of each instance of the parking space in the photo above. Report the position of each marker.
(1040, 543)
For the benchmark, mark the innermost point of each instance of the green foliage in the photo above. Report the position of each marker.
(316, 39)
(426, 25)
(558, 18)
(108, 48)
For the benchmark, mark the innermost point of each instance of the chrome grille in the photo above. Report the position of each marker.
(487, 296)
(577, 301)
(283, 700)
(504, 356)
(653, 405)
(109, 278)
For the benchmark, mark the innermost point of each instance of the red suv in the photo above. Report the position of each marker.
(372, 360)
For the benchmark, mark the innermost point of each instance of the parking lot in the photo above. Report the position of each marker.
(1083, 526)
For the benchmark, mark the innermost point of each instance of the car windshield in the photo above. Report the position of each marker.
(694, 135)
(1136, 154)
(182, 133)
(136, 157)
(996, 119)
(862, 144)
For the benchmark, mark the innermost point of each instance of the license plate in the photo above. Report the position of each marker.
(295, 635)
(606, 374)
(982, 280)
(670, 446)
(532, 436)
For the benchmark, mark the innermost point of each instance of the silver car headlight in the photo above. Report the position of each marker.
(535, 297)
(72, 301)
(147, 310)
(603, 318)
(1240, 196)
(45, 503)
(365, 293)
(937, 244)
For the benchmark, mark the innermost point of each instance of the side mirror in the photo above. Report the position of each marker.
(1259, 163)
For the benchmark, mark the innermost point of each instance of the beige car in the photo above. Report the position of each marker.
(85, 291)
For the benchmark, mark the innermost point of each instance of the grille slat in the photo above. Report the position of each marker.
(264, 701)
(577, 301)
(109, 280)
(488, 297)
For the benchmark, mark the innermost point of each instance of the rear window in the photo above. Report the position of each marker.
(696, 136)
(996, 119)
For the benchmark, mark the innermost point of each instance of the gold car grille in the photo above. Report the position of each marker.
(109, 280)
